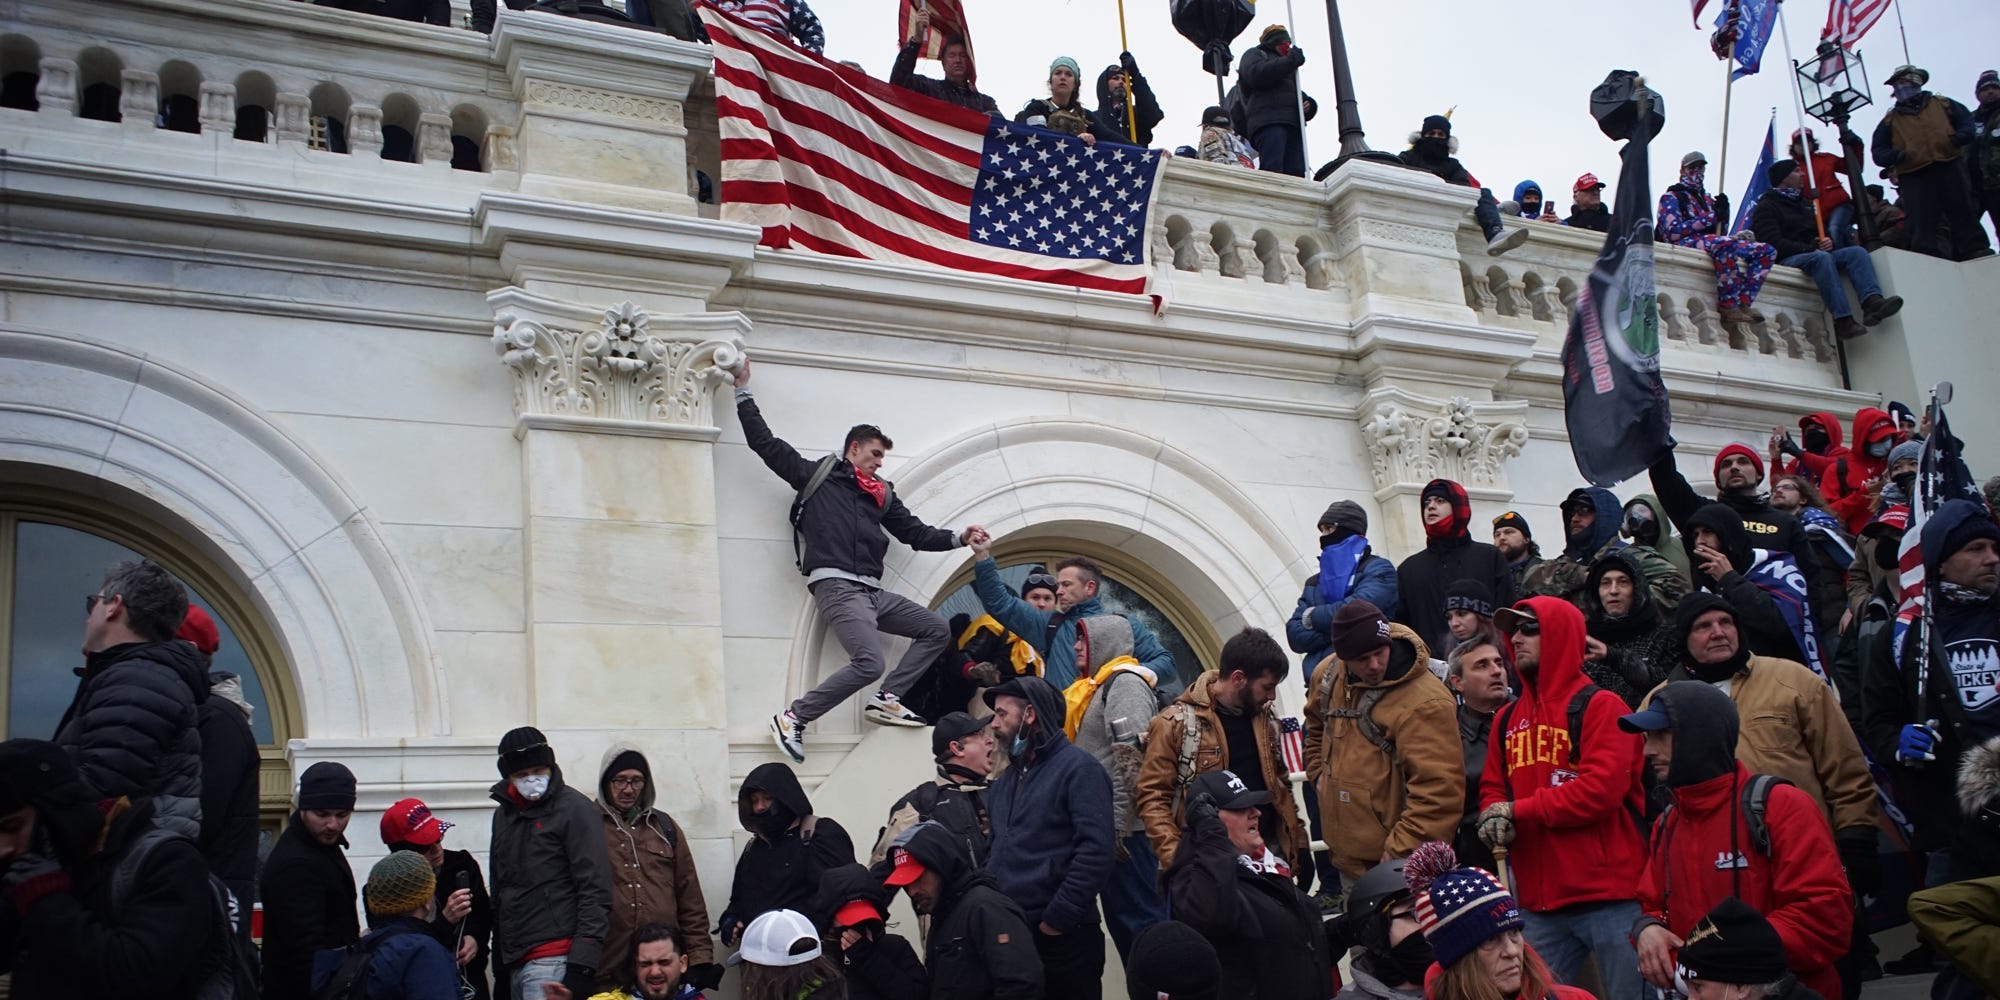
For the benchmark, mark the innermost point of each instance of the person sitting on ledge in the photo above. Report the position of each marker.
(1784, 219)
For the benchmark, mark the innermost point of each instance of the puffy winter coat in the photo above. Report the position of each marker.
(309, 905)
(134, 728)
(1373, 800)
(1422, 578)
(1784, 219)
(980, 945)
(1051, 812)
(1270, 85)
(1269, 936)
(1962, 921)
(1161, 802)
(551, 877)
(782, 872)
(409, 964)
(653, 879)
(1310, 629)
(1576, 836)
(1799, 886)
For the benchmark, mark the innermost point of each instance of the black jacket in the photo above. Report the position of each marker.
(1597, 219)
(1111, 118)
(1270, 937)
(1270, 85)
(1763, 626)
(1769, 527)
(904, 74)
(133, 730)
(551, 877)
(842, 527)
(782, 872)
(1447, 169)
(980, 945)
(1474, 729)
(309, 904)
(80, 943)
(1640, 645)
(880, 966)
(1786, 222)
(1423, 577)
(229, 776)
(478, 923)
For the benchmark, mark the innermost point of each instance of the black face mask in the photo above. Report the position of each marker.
(1433, 148)
(772, 823)
(1815, 438)
(1906, 482)
(1410, 961)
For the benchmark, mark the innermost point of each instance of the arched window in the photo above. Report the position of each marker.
(1127, 589)
(54, 549)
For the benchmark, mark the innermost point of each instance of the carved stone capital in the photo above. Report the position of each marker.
(617, 370)
(1413, 440)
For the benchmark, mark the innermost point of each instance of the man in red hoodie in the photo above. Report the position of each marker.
(1561, 790)
(1818, 445)
(1848, 481)
(1707, 847)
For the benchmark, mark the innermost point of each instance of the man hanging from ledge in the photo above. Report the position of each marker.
(841, 520)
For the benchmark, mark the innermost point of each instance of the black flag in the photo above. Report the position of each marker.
(1613, 398)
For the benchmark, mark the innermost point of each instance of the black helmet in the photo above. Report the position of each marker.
(1379, 887)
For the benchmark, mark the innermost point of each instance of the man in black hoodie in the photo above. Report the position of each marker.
(789, 850)
(1739, 474)
(1112, 87)
(551, 876)
(308, 888)
(1431, 149)
(1449, 554)
(133, 727)
(1719, 549)
(1784, 218)
(852, 910)
(980, 946)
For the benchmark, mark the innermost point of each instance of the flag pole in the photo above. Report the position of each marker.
(1292, 25)
(1131, 116)
(1722, 159)
(1799, 107)
(1898, 4)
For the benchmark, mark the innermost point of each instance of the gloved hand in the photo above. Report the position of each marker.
(1858, 856)
(985, 675)
(1789, 446)
(1917, 744)
(580, 980)
(1302, 870)
(1128, 64)
(1496, 824)
(706, 976)
(1202, 812)
(1298, 56)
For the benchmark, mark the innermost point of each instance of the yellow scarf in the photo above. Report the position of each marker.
(1076, 697)
(1026, 661)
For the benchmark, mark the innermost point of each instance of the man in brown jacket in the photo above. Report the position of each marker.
(1221, 722)
(653, 878)
(1921, 143)
(1382, 744)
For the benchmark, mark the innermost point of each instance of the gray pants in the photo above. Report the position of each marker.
(856, 613)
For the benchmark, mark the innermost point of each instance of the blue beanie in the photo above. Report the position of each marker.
(1458, 909)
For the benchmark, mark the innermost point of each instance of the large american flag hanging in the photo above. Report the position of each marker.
(1848, 20)
(826, 159)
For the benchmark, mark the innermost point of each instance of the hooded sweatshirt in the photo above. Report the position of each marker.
(1847, 498)
(1576, 840)
(1112, 723)
(1815, 464)
(1563, 576)
(1766, 629)
(1052, 815)
(1449, 554)
(789, 849)
(1521, 199)
(1702, 852)
(980, 946)
(653, 877)
(1639, 644)
(1111, 107)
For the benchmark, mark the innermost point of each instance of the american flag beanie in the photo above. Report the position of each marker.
(1458, 909)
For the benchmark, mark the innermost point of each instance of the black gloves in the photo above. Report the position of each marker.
(1857, 854)
(1203, 816)
(580, 980)
(707, 976)
(1722, 217)
(1789, 446)
(1127, 63)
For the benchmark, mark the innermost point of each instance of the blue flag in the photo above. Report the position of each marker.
(1754, 20)
(1760, 178)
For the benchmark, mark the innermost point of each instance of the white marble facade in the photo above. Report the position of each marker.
(458, 433)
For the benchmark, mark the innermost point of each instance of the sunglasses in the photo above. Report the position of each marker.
(1528, 626)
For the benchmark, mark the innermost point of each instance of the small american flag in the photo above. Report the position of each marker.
(1292, 742)
(947, 20)
(1941, 475)
(1698, 5)
(826, 159)
(1848, 20)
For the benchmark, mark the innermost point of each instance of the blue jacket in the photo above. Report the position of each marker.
(409, 964)
(1522, 189)
(1310, 629)
(1059, 650)
(1051, 816)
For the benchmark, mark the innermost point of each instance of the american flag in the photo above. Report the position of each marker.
(1942, 475)
(947, 19)
(1698, 5)
(824, 158)
(1292, 743)
(1848, 20)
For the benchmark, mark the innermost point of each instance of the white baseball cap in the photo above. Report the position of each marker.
(778, 939)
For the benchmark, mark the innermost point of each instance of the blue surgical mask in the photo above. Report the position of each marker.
(1907, 91)
(1020, 747)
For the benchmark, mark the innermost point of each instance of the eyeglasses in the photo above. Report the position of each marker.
(1041, 580)
(628, 782)
(91, 601)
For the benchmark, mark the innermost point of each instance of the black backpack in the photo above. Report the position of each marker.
(820, 472)
(227, 968)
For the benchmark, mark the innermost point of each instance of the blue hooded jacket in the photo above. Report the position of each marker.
(1051, 816)
(1059, 650)
(1522, 189)
(1610, 515)
(408, 963)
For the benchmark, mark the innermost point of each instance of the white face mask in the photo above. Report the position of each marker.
(532, 786)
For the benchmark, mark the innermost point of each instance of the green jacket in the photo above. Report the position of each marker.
(1962, 921)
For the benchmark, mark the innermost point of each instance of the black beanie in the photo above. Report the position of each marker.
(524, 748)
(627, 760)
(1779, 171)
(1513, 519)
(39, 773)
(1171, 961)
(1734, 945)
(1692, 607)
(326, 785)
(1469, 595)
(1345, 515)
(1437, 122)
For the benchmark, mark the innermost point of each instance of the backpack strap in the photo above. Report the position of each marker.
(1579, 704)
(1184, 764)
(813, 482)
(1756, 801)
(1363, 714)
(806, 828)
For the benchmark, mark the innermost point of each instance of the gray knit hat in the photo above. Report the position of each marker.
(1912, 450)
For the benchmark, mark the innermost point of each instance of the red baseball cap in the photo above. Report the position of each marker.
(1586, 182)
(198, 628)
(855, 913)
(411, 822)
(908, 869)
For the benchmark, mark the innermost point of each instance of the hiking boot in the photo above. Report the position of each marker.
(1879, 308)
(1750, 314)
(886, 709)
(1848, 328)
(1732, 315)
(1507, 240)
(790, 735)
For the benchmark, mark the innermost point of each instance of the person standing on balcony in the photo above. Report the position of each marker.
(1690, 217)
(1985, 150)
(1063, 110)
(956, 57)
(1118, 83)
(1269, 80)
(1221, 144)
(1431, 149)
(1784, 219)
(1588, 212)
(841, 521)
(1921, 143)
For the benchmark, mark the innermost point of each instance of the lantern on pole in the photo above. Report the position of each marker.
(1834, 85)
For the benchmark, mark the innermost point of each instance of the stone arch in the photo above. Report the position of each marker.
(1041, 480)
(351, 633)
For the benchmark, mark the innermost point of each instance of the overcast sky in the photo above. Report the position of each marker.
(1519, 71)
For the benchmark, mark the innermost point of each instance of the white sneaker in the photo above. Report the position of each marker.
(1507, 240)
(886, 709)
(790, 735)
